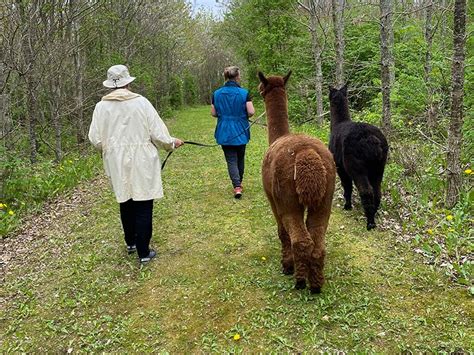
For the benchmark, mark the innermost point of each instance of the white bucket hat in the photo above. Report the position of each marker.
(117, 77)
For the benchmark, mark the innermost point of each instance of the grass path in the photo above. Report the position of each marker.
(218, 275)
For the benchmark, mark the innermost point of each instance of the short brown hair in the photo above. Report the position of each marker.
(232, 72)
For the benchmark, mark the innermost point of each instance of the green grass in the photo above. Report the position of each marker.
(218, 275)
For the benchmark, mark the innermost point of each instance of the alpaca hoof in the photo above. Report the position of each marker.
(347, 207)
(315, 290)
(289, 270)
(371, 226)
(300, 284)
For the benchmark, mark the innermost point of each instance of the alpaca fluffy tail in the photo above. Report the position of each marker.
(310, 177)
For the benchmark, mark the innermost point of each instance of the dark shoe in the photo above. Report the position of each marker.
(148, 258)
(131, 249)
(237, 192)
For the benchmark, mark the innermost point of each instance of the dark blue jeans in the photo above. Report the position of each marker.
(235, 158)
(136, 219)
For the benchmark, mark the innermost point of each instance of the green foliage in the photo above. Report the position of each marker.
(414, 184)
(176, 92)
(362, 55)
(271, 45)
(190, 89)
(29, 186)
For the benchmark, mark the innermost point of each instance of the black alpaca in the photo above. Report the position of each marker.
(360, 152)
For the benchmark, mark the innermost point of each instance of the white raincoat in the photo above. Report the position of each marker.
(127, 129)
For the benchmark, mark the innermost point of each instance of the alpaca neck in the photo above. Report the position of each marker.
(339, 114)
(277, 116)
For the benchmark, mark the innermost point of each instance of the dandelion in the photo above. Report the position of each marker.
(449, 217)
(429, 231)
(2, 206)
(11, 213)
(264, 258)
(468, 171)
(237, 337)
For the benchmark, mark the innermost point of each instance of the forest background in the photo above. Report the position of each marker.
(396, 55)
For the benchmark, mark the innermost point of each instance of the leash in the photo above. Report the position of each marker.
(216, 145)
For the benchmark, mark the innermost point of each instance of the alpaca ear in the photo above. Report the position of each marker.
(286, 77)
(262, 78)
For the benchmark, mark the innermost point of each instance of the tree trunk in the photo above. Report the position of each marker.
(4, 130)
(386, 61)
(317, 54)
(431, 112)
(5, 120)
(455, 133)
(443, 23)
(78, 87)
(56, 117)
(79, 96)
(28, 74)
(338, 22)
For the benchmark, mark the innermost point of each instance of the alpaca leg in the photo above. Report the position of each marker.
(366, 193)
(375, 179)
(316, 223)
(376, 183)
(286, 253)
(301, 245)
(346, 182)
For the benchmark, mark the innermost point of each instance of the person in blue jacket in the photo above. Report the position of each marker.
(232, 105)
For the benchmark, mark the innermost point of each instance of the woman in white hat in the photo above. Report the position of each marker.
(128, 130)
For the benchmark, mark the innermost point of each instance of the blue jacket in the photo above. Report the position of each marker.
(232, 121)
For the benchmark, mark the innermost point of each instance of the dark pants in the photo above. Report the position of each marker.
(137, 224)
(235, 157)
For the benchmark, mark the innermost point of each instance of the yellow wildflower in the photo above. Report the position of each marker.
(236, 336)
(449, 217)
(429, 231)
(264, 258)
(1, 205)
(410, 123)
(11, 213)
(468, 171)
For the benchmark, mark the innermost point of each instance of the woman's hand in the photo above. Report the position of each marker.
(178, 143)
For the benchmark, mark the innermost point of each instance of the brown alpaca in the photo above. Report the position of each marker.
(298, 175)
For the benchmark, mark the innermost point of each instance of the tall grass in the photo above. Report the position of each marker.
(28, 186)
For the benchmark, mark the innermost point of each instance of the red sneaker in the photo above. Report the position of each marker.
(237, 192)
